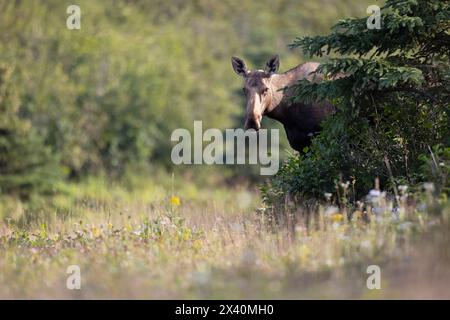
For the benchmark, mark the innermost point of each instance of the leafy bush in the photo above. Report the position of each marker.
(392, 90)
(27, 166)
(108, 96)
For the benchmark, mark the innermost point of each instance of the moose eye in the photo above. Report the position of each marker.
(244, 91)
(264, 90)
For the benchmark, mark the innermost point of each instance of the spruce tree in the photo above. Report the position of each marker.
(26, 165)
(392, 90)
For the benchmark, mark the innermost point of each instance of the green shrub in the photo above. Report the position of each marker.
(27, 166)
(393, 103)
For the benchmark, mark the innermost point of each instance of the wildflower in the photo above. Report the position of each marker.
(337, 217)
(197, 244)
(187, 234)
(327, 196)
(96, 232)
(175, 201)
(375, 196)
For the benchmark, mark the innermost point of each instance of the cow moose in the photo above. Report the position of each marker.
(265, 97)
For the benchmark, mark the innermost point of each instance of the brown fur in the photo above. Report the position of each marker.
(265, 97)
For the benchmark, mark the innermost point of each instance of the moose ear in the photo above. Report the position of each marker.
(273, 64)
(239, 66)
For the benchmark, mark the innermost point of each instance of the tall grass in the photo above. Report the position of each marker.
(186, 242)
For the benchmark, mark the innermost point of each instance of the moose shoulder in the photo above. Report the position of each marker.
(265, 97)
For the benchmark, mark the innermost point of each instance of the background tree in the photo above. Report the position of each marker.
(107, 97)
(26, 164)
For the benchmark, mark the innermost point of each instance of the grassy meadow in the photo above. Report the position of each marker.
(87, 179)
(182, 242)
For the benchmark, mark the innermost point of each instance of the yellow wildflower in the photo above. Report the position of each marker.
(175, 201)
(197, 244)
(337, 217)
(187, 234)
(96, 232)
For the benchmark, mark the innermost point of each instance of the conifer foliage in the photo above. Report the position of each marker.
(26, 164)
(392, 90)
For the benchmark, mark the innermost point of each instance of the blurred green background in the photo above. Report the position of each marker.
(105, 99)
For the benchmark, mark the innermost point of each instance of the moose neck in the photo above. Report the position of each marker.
(276, 109)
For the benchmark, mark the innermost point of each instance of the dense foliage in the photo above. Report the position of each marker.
(392, 90)
(106, 98)
(26, 164)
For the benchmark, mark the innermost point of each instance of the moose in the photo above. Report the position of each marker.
(265, 97)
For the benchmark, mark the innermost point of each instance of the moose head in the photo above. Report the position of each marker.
(258, 90)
